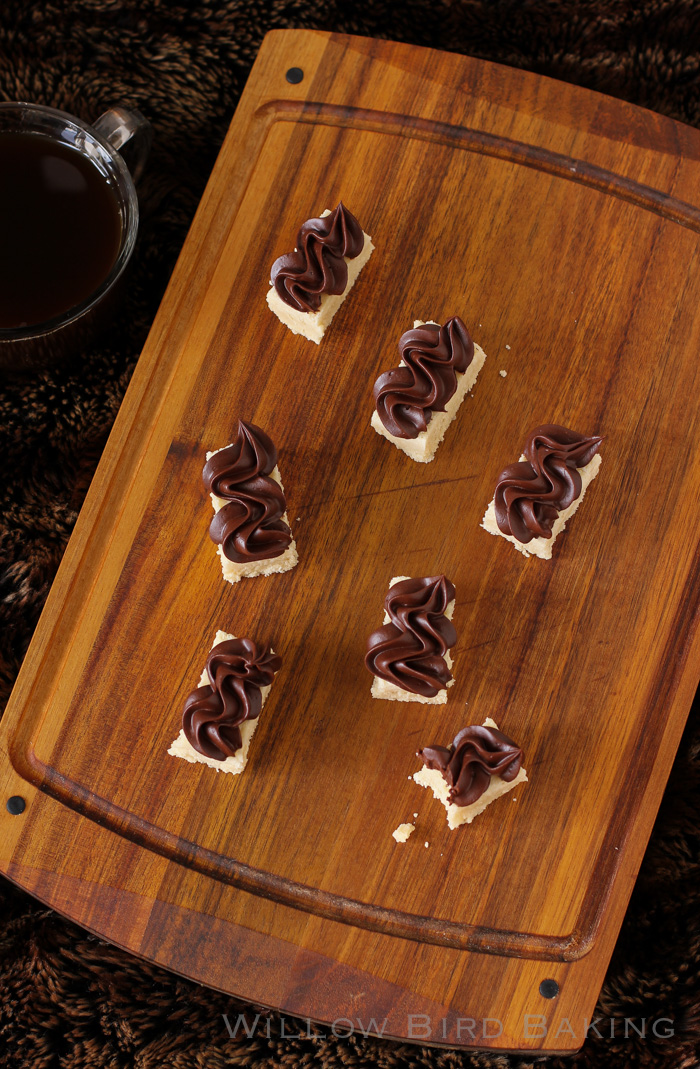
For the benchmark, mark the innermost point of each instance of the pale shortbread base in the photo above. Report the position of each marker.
(403, 831)
(381, 688)
(312, 325)
(234, 572)
(423, 447)
(235, 764)
(464, 814)
(542, 547)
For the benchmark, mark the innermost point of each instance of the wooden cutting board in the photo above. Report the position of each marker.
(562, 226)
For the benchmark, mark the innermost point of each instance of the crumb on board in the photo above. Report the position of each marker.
(415, 815)
(503, 374)
(403, 831)
(427, 844)
(508, 347)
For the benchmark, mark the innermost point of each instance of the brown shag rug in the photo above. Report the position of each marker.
(67, 999)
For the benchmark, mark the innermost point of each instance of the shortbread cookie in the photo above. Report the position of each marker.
(221, 715)
(308, 286)
(250, 525)
(481, 764)
(535, 497)
(416, 401)
(409, 660)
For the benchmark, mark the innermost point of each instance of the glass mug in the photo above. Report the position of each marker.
(69, 217)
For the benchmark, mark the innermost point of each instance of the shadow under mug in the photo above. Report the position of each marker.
(39, 344)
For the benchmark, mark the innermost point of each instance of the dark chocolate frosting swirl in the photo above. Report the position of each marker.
(251, 454)
(237, 669)
(317, 265)
(477, 754)
(409, 651)
(530, 494)
(250, 526)
(406, 396)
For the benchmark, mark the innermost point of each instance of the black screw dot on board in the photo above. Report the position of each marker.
(16, 805)
(549, 989)
(294, 75)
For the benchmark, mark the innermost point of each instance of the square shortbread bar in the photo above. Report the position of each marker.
(464, 814)
(381, 688)
(542, 547)
(232, 571)
(312, 325)
(423, 447)
(181, 747)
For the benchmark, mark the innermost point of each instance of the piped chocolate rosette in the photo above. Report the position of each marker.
(249, 526)
(409, 651)
(531, 493)
(237, 670)
(477, 754)
(405, 397)
(318, 264)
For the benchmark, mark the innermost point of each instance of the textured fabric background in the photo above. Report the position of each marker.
(67, 999)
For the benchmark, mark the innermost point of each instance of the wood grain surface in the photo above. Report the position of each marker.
(563, 228)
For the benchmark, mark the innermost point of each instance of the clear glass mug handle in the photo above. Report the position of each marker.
(120, 126)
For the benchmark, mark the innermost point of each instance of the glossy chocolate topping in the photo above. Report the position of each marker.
(249, 526)
(530, 494)
(409, 651)
(476, 754)
(237, 669)
(406, 396)
(251, 454)
(317, 265)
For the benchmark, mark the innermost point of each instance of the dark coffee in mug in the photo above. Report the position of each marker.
(60, 228)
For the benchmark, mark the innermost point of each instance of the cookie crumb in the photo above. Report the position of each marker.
(427, 844)
(503, 374)
(403, 831)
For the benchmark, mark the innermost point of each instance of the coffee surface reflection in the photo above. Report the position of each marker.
(60, 229)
